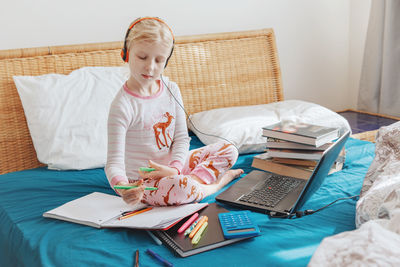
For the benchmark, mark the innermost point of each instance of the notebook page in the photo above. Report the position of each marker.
(158, 217)
(93, 209)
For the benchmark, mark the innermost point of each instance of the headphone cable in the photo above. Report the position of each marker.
(190, 121)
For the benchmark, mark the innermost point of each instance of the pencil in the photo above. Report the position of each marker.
(134, 213)
(137, 258)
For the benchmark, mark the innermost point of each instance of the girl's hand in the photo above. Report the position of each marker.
(134, 195)
(159, 172)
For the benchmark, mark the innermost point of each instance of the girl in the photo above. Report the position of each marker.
(147, 127)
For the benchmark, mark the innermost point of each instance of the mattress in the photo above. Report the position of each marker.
(29, 239)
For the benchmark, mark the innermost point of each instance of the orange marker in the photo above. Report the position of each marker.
(134, 213)
(198, 225)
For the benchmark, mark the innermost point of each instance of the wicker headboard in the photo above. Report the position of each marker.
(212, 71)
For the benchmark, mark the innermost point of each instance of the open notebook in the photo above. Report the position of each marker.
(102, 210)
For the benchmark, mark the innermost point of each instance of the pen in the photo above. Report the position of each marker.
(188, 223)
(199, 234)
(133, 186)
(146, 169)
(192, 226)
(157, 257)
(134, 213)
(137, 258)
(158, 241)
(197, 227)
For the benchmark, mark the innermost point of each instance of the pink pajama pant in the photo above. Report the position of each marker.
(209, 163)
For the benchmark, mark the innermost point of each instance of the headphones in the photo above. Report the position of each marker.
(125, 52)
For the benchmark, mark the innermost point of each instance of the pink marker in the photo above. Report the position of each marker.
(187, 223)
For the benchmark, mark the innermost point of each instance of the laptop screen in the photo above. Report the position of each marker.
(321, 171)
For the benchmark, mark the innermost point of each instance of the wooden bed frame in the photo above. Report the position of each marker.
(212, 71)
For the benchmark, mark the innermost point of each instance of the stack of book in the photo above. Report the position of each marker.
(295, 149)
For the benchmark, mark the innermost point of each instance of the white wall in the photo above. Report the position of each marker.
(320, 42)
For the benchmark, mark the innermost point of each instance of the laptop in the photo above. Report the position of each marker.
(279, 195)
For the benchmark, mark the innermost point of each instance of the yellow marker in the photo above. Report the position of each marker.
(199, 233)
(197, 227)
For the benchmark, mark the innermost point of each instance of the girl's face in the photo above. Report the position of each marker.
(147, 60)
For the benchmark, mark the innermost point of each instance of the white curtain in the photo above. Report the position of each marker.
(380, 76)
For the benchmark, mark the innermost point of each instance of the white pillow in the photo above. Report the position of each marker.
(243, 125)
(67, 114)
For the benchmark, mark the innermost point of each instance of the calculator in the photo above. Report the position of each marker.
(237, 224)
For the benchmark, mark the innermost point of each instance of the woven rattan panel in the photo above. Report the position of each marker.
(213, 71)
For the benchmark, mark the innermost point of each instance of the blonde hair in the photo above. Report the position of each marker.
(149, 29)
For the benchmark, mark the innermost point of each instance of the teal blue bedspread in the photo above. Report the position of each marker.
(28, 239)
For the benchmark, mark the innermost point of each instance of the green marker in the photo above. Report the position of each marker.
(146, 169)
(133, 186)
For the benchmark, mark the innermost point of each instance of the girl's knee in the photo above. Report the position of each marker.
(188, 189)
(229, 151)
(175, 190)
(233, 150)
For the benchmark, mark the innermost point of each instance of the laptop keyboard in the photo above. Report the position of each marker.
(272, 191)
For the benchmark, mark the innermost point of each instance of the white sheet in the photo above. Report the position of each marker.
(376, 242)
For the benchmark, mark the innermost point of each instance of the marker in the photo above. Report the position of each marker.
(134, 213)
(193, 226)
(146, 169)
(188, 223)
(158, 241)
(199, 234)
(133, 186)
(158, 257)
(197, 227)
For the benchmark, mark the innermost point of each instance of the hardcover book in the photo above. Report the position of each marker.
(279, 143)
(266, 163)
(301, 133)
(300, 162)
(295, 154)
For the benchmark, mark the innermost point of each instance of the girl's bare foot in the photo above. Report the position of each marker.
(229, 176)
(224, 180)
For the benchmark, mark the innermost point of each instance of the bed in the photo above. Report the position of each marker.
(214, 71)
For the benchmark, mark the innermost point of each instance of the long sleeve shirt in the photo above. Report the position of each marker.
(142, 128)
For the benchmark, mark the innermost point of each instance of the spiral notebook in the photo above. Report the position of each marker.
(212, 238)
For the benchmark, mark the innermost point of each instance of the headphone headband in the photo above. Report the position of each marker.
(124, 52)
